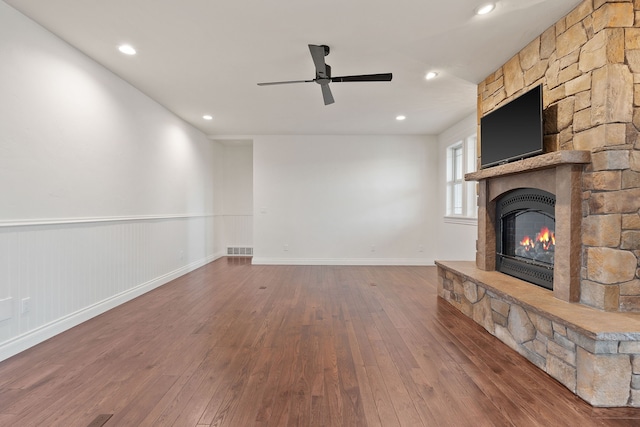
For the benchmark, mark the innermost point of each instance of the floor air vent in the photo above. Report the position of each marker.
(239, 251)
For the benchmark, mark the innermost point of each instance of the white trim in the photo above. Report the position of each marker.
(343, 261)
(66, 221)
(460, 220)
(22, 342)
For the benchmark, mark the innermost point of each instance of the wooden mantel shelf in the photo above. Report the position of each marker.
(543, 161)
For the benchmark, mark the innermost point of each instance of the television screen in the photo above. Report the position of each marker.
(513, 131)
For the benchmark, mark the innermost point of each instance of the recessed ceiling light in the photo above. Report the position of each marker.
(486, 8)
(127, 49)
(431, 75)
(207, 117)
(400, 118)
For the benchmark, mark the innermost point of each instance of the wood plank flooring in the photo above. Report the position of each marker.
(233, 344)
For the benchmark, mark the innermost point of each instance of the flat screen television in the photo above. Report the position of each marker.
(513, 131)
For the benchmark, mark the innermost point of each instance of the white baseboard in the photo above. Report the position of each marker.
(343, 261)
(22, 342)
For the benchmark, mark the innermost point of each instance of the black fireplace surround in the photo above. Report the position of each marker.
(525, 235)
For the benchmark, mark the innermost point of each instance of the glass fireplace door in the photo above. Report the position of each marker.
(525, 235)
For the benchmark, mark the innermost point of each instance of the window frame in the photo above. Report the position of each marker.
(461, 159)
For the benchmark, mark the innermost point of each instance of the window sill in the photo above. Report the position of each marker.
(461, 220)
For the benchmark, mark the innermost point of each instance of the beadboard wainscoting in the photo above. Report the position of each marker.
(55, 274)
(238, 230)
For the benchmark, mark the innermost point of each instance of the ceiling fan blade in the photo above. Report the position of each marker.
(385, 77)
(326, 94)
(318, 53)
(284, 83)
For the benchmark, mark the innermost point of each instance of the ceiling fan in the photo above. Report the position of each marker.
(323, 74)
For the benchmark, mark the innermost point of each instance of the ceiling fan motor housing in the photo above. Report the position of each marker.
(324, 77)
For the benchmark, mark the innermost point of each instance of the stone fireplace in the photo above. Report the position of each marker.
(577, 317)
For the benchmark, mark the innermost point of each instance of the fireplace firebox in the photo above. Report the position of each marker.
(525, 235)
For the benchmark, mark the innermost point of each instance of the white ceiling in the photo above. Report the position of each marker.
(200, 57)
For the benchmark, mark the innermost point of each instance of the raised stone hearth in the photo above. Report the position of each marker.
(594, 354)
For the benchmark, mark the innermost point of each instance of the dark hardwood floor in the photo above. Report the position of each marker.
(233, 344)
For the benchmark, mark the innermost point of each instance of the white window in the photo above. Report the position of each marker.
(461, 195)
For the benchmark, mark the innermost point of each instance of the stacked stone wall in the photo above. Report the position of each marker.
(589, 66)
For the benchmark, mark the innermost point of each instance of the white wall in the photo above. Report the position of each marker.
(105, 194)
(456, 239)
(237, 207)
(345, 199)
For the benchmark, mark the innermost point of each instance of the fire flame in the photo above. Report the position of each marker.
(545, 237)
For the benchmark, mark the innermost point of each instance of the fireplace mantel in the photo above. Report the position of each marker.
(543, 161)
(559, 173)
